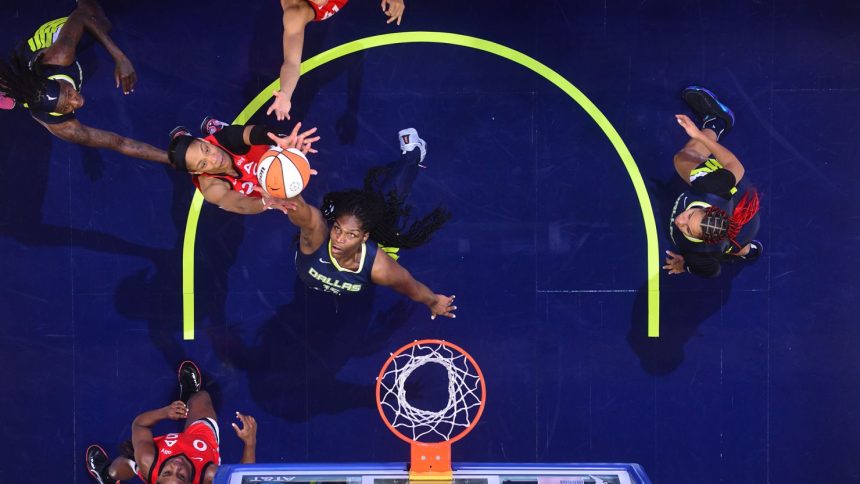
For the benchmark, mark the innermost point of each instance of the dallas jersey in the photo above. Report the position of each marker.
(44, 37)
(198, 443)
(321, 271)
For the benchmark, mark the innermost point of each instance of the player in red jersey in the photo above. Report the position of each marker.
(223, 164)
(191, 456)
(297, 14)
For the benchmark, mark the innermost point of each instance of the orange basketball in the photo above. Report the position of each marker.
(283, 173)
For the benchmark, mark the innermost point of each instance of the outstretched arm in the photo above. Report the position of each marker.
(141, 432)
(387, 272)
(218, 192)
(308, 219)
(75, 132)
(726, 158)
(297, 14)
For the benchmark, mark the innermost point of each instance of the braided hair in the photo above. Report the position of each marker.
(20, 81)
(717, 225)
(383, 216)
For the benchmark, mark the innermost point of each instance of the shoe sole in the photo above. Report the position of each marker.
(176, 130)
(702, 100)
(203, 129)
(92, 472)
(196, 368)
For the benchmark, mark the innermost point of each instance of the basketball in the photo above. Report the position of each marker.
(283, 173)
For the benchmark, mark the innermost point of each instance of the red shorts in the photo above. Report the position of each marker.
(330, 8)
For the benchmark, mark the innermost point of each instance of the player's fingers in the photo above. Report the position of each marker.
(269, 111)
(314, 172)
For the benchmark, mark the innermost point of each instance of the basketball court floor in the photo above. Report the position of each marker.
(551, 133)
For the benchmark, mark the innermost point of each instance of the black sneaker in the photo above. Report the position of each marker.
(756, 248)
(190, 380)
(210, 125)
(179, 131)
(97, 464)
(708, 108)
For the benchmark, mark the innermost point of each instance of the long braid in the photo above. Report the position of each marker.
(745, 210)
(20, 82)
(717, 225)
(384, 217)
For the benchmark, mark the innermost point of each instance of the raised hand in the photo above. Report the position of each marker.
(248, 431)
(281, 106)
(124, 75)
(674, 262)
(443, 306)
(301, 141)
(692, 130)
(394, 9)
(176, 410)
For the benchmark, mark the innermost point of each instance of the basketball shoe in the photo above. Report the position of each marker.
(711, 113)
(97, 464)
(179, 131)
(409, 140)
(210, 125)
(190, 380)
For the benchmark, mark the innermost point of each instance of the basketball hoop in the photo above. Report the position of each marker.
(430, 433)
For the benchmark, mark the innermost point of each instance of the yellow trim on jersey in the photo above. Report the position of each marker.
(391, 251)
(44, 35)
(343, 269)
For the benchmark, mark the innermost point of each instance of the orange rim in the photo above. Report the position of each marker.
(471, 360)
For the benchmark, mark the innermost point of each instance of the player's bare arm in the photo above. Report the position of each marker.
(387, 272)
(218, 192)
(297, 14)
(141, 432)
(75, 132)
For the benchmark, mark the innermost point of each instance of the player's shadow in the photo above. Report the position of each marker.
(22, 204)
(156, 295)
(296, 357)
(264, 62)
(686, 301)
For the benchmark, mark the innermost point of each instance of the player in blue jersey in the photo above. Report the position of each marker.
(717, 218)
(44, 77)
(367, 229)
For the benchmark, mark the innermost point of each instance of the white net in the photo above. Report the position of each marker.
(464, 394)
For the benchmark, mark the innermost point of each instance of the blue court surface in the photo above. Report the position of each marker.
(754, 376)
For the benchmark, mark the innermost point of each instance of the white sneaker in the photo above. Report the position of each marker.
(409, 140)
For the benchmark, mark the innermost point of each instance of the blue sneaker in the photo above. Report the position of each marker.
(409, 140)
(707, 108)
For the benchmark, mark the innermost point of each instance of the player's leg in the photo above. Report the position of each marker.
(400, 175)
(192, 393)
(692, 155)
(122, 469)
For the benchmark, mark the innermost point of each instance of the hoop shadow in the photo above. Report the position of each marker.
(296, 355)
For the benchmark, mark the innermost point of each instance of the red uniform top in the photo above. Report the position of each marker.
(245, 164)
(198, 444)
(330, 8)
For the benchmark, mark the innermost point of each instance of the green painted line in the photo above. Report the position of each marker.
(188, 265)
(652, 248)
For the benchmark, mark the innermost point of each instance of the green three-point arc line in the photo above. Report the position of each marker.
(652, 254)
